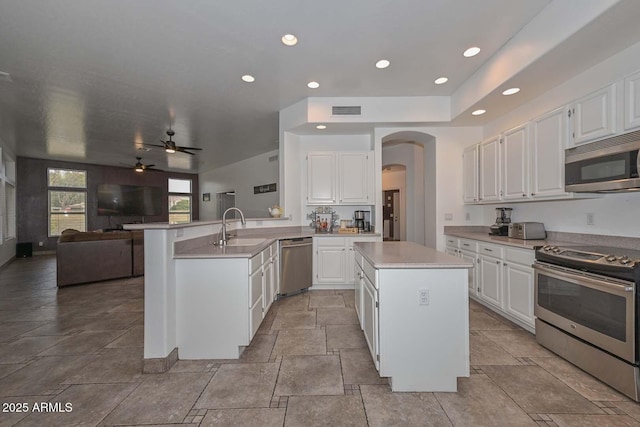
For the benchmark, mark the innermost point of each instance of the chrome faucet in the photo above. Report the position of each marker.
(223, 230)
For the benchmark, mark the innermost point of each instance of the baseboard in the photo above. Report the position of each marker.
(161, 364)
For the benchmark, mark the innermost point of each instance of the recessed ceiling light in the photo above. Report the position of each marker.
(511, 91)
(313, 85)
(479, 112)
(472, 51)
(441, 80)
(321, 127)
(248, 78)
(289, 40)
(383, 63)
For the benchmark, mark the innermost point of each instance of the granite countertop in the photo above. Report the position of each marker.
(502, 240)
(202, 247)
(407, 255)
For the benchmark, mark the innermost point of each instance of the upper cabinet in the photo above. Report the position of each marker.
(335, 178)
(490, 170)
(548, 142)
(321, 178)
(594, 116)
(632, 102)
(515, 166)
(470, 175)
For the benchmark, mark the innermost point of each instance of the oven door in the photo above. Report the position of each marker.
(598, 310)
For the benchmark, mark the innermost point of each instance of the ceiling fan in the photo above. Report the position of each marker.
(141, 167)
(171, 147)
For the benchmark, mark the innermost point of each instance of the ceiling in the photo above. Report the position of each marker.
(92, 80)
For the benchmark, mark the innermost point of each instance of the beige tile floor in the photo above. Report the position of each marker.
(307, 366)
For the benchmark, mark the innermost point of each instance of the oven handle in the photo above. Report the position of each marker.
(592, 279)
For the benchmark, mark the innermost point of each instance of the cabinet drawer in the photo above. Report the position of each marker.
(520, 256)
(490, 250)
(452, 242)
(468, 245)
(330, 241)
(274, 248)
(255, 263)
(255, 288)
(370, 272)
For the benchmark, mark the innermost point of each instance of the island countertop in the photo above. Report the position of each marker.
(407, 255)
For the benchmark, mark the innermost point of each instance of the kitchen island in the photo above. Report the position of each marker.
(412, 302)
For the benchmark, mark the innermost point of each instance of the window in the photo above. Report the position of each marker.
(179, 200)
(7, 198)
(67, 200)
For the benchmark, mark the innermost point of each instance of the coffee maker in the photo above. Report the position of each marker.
(503, 219)
(359, 219)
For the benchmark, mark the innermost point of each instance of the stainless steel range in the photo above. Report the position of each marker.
(586, 304)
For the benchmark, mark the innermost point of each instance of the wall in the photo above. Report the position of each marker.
(242, 176)
(411, 155)
(32, 196)
(613, 214)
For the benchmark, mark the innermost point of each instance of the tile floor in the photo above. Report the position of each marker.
(307, 366)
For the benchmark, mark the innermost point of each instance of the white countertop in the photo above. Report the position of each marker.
(407, 255)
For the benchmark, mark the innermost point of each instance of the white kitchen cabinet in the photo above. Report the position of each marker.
(594, 115)
(490, 171)
(515, 163)
(518, 283)
(334, 259)
(470, 164)
(355, 178)
(490, 274)
(275, 271)
(632, 102)
(340, 178)
(370, 318)
(548, 142)
(467, 250)
(321, 178)
(268, 283)
(358, 288)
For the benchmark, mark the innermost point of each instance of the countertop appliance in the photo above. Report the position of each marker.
(296, 257)
(360, 220)
(586, 308)
(503, 219)
(527, 230)
(609, 165)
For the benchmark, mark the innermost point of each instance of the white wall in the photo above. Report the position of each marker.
(614, 214)
(242, 176)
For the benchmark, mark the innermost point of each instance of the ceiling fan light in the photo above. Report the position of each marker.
(169, 150)
(139, 169)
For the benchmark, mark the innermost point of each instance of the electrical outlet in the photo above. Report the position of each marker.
(423, 296)
(590, 220)
(467, 216)
(448, 217)
(41, 244)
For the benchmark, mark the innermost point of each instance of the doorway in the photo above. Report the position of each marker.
(391, 215)
(226, 200)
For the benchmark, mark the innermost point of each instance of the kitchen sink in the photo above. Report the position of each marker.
(239, 241)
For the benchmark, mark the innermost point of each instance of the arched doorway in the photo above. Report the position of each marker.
(416, 152)
(394, 202)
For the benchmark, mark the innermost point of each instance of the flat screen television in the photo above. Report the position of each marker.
(129, 200)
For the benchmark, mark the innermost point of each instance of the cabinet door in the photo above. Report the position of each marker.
(594, 115)
(370, 318)
(519, 291)
(350, 262)
(490, 170)
(359, 278)
(354, 181)
(548, 142)
(632, 101)
(472, 258)
(331, 264)
(321, 178)
(490, 283)
(470, 174)
(275, 276)
(515, 163)
(267, 293)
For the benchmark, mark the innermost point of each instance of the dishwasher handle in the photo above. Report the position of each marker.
(295, 243)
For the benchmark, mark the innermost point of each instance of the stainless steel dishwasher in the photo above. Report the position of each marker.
(296, 257)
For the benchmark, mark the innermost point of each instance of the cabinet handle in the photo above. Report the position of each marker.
(498, 262)
(505, 264)
(533, 194)
(466, 244)
(524, 195)
(488, 250)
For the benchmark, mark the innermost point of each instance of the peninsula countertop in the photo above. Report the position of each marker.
(407, 255)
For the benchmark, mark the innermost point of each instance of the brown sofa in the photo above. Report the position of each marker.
(84, 257)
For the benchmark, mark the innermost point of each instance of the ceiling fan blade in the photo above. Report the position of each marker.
(191, 148)
(154, 145)
(182, 150)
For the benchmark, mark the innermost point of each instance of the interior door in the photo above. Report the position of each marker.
(391, 215)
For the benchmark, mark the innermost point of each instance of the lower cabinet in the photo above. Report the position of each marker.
(333, 261)
(503, 279)
(370, 318)
(263, 286)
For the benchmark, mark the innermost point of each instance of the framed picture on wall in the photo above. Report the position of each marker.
(206, 197)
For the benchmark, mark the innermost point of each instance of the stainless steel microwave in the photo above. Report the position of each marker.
(609, 165)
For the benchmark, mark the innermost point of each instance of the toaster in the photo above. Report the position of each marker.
(527, 230)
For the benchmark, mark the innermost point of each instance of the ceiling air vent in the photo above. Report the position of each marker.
(354, 110)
